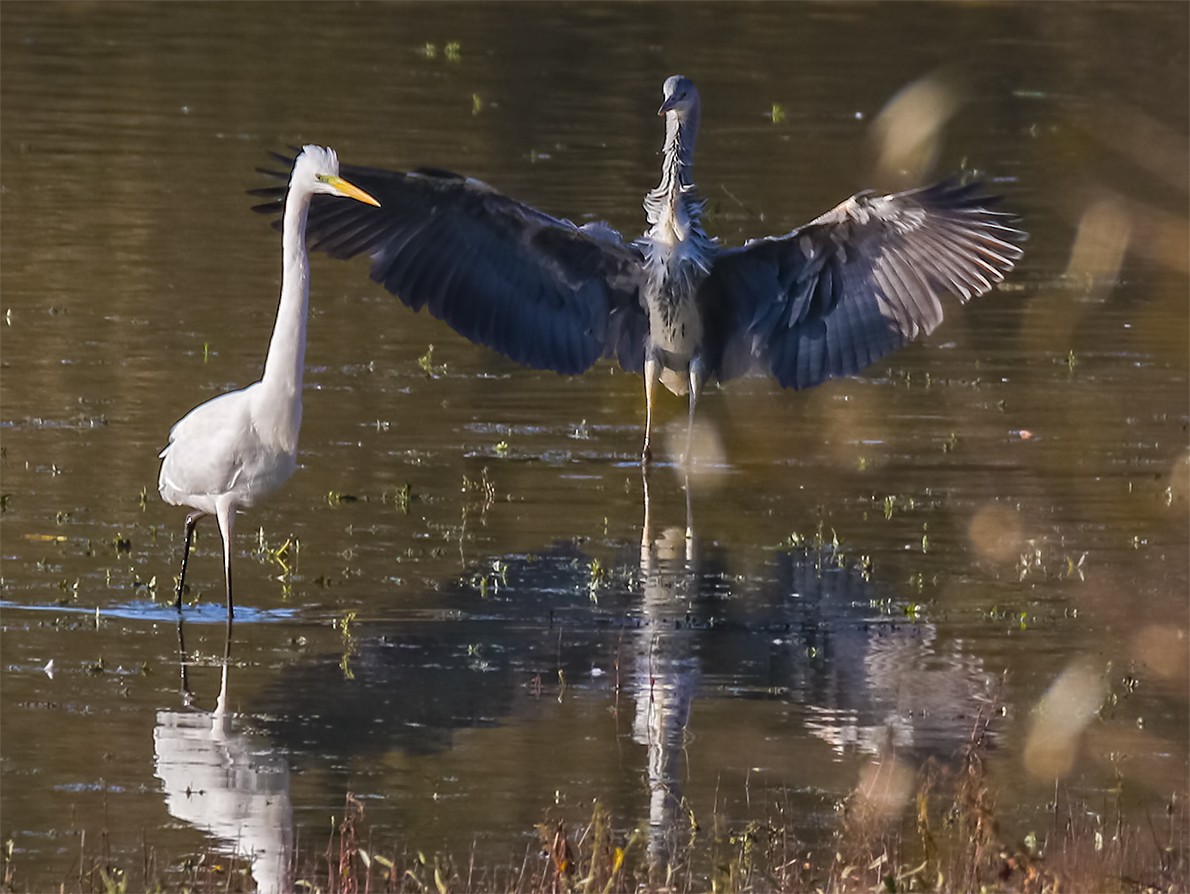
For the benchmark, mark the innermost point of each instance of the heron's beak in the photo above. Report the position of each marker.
(349, 190)
(667, 106)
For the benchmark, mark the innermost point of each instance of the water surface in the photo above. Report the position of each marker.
(464, 631)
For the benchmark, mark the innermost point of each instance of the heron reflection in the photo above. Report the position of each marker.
(665, 676)
(798, 631)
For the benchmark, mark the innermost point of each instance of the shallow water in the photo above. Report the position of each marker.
(875, 561)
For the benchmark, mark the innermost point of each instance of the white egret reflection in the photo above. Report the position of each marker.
(221, 776)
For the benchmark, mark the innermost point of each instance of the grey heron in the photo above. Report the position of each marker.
(827, 299)
(235, 449)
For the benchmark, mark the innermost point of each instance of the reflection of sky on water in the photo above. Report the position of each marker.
(205, 613)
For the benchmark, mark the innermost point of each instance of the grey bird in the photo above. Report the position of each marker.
(827, 299)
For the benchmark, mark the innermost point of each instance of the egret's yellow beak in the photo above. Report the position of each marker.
(349, 190)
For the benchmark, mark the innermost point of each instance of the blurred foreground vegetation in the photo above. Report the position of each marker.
(946, 839)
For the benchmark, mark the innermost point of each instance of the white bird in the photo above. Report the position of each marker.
(232, 451)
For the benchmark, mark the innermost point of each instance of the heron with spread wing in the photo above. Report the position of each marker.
(827, 299)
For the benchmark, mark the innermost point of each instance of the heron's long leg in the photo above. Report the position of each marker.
(191, 521)
(697, 376)
(652, 376)
(226, 513)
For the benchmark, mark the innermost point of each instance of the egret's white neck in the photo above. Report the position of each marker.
(282, 380)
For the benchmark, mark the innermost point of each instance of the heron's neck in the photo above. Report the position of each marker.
(680, 134)
(282, 380)
(672, 206)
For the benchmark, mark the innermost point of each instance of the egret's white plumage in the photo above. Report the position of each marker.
(232, 451)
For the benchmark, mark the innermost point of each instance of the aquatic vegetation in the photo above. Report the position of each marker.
(400, 497)
(936, 828)
(427, 365)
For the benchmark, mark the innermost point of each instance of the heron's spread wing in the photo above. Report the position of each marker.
(836, 295)
(536, 288)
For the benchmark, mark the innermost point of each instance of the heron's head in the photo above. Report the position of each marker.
(317, 169)
(681, 96)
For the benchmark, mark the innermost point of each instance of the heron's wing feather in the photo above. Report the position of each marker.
(536, 288)
(836, 295)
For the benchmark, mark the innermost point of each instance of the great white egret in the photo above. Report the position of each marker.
(826, 299)
(232, 451)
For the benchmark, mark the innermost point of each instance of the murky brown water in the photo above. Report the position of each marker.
(1009, 498)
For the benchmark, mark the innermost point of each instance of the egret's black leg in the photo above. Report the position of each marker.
(191, 521)
(230, 608)
(226, 515)
(227, 643)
